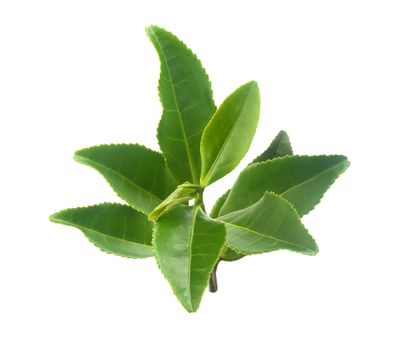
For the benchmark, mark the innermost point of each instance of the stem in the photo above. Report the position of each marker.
(213, 280)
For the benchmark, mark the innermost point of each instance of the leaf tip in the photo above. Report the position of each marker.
(53, 217)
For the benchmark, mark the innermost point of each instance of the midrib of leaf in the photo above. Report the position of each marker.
(190, 253)
(311, 178)
(224, 144)
(194, 179)
(264, 235)
(101, 233)
(119, 174)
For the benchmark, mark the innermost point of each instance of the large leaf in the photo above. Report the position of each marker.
(137, 174)
(187, 247)
(114, 228)
(270, 224)
(279, 147)
(187, 99)
(229, 133)
(302, 180)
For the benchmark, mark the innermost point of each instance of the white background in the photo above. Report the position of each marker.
(80, 73)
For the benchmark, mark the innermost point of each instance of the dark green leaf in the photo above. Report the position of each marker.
(302, 180)
(279, 147)
(229, 133)
(114, 228)
(187, 247)
(137, 174)
(270, 224)
(187, 99)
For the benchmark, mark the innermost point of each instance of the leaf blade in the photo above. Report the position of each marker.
(137, 174)
(302, 180)
(187, 98)
(228, 136)
(187, 246)
(113, 228)
(279, 147)
(270, 224)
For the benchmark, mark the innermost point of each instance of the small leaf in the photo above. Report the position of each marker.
(187, 247)
(187, 99)
(137, 174)
(219, 203)
(279, 147)
(270, 224)
(302, 180)
(114, 228)
(229, 133)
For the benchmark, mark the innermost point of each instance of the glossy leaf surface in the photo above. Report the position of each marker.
(114, 228)
(137, 174)
(187, 246)
(270, 224)
(187, 99)
(229, 133)
(302, 180)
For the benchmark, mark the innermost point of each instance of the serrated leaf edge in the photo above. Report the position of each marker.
(297, 216)
(77, 158)
(154, 233)
(277, 159)
(91, 241)
(201, 147)
(149, 28)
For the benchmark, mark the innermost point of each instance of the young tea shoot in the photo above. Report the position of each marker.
(164, 216)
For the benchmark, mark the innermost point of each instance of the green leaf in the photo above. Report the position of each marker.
(219, 203)
(270, 224)
(228, 254)
(114, 228)
(187, 99)
(279, 147)
(137, 174)
(302, 180)
(229, 133)
(187, 247)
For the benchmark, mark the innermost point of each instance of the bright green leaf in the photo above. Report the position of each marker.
(114, 228)
(302, 180)
(279, 147)
(229, 133)
(270, 224)
(187, 99)
(137, 174)
(187, 246)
